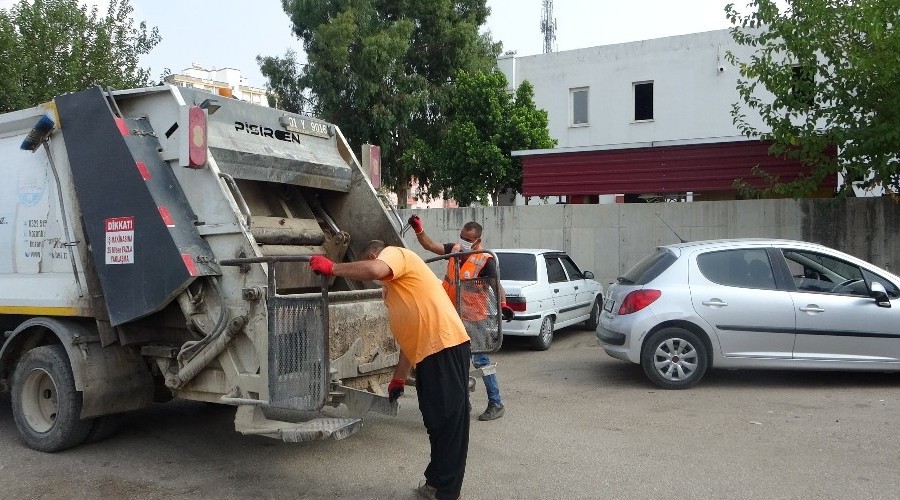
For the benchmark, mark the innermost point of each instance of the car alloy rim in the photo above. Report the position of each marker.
(546, 329)
(675, 359)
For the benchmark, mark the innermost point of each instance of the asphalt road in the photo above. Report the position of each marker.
(578, 424)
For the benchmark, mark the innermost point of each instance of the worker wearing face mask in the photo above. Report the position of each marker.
(475, 304)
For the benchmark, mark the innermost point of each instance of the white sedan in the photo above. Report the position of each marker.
(547, 291)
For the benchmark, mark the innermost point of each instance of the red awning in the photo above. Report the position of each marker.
(663, 169)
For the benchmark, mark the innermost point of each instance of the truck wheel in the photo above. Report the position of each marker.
(103, 427)
(46, 406)
(674, 358)
(545, 336)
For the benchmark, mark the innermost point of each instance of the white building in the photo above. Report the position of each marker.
(651, 119)
(674, 88)
(227, 82)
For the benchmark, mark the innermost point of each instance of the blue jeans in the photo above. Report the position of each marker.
(490, 381)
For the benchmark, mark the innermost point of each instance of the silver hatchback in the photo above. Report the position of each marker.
(751, 303)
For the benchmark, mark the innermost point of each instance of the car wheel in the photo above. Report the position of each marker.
(545, 337)
(592, 322)
(46, 406)
(674, 358)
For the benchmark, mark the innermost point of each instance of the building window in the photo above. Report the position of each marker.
(579, 107)
(803, 86)
(643, 101)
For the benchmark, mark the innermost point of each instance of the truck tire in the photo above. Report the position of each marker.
(45, 404)
(103, 427)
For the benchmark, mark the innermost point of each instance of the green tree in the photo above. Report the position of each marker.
(473, 163)
(833, 67)
(382, 70)
(49, 47)
(282, 75)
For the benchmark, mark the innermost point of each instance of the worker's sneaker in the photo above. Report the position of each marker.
(426, 491)
(493, 412)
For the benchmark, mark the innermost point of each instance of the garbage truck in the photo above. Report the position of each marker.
(153, 245)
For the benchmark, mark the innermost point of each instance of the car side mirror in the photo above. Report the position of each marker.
(588, 275)
(880, 295)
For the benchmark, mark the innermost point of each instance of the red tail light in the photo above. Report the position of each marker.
(516, 303)
(197, 137)
(637, 300)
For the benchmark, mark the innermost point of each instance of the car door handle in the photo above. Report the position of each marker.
(576, 288)
(715, 303)
(556, 290)
(812, 308)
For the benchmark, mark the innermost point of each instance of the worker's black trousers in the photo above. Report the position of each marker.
(442, 384)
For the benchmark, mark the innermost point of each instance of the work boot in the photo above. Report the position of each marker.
(493, 412)
(426, 491)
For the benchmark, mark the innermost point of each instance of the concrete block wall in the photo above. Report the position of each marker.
(608, 239)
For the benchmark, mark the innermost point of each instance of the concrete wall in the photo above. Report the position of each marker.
(608, 239)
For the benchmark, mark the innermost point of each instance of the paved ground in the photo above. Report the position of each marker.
(578, 425)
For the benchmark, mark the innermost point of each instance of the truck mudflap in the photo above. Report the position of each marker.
(482, 320)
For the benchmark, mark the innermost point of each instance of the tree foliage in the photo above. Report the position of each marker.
(833, 67)
(382, 69)
(472, 163)
(282, 75)
(49, 47)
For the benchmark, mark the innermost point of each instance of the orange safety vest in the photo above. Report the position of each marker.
(475, 307)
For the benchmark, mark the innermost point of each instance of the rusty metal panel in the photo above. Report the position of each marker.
(664, 169)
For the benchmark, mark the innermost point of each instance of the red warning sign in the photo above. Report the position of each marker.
(120, 240)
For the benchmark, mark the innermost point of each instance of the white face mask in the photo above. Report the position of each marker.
(464, 246)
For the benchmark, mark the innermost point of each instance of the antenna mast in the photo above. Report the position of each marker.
(548, 27)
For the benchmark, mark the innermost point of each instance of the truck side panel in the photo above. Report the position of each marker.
(38, 261)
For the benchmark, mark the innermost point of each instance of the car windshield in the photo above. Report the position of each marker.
(517, 266)
(648, 268)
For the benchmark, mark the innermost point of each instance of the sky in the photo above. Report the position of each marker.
(231, 33)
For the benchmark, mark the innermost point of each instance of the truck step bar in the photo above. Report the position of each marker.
(250, 420)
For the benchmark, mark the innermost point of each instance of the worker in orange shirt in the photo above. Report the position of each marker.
(432, 338)
(475, 303)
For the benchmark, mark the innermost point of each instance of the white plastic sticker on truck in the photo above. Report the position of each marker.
(120, 240)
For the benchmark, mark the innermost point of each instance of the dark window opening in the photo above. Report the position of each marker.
(748, 268)
(555, 272)
(517, 266)
(803, 86)
(643, 101)
(571, 269)
(648, 268)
